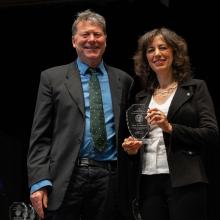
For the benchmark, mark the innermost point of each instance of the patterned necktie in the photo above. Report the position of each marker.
(97, 119)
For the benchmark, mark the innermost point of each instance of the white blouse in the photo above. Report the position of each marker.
(155, 157)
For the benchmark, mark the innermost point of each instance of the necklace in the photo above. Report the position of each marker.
(167, 91)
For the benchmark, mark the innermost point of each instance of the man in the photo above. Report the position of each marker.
(69, 177)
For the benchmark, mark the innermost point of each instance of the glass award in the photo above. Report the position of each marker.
(136, 122)
(18, 211)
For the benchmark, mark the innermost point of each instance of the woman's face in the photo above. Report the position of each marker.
(160, 55)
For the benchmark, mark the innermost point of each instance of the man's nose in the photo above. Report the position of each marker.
(92, 37)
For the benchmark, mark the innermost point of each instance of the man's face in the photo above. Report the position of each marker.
(89, 42)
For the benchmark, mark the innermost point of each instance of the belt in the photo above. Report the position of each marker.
(85, 162)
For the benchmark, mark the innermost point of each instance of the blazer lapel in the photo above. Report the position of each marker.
(143, 97)
(182, 94)
(73, 85)
(116, 92)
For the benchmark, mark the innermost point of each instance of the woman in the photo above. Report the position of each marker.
(171, 178)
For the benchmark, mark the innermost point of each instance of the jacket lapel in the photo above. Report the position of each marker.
(73, 85)
(182, 94)
(116, 92)
(143, 97)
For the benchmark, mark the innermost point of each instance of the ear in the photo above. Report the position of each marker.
(73, 42)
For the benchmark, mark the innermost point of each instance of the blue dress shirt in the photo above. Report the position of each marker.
(87, 147)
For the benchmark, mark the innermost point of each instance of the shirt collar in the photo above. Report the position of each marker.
(83, 67)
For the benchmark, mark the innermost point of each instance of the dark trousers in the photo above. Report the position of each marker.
(91, 195)
(159, 201)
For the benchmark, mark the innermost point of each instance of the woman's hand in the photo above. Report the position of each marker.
(157, 117)
(131, 145)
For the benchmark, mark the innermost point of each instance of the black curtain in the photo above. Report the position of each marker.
(37, 36)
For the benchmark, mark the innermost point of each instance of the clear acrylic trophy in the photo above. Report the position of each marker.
(136, 122)
(18, 211)
(22, 211)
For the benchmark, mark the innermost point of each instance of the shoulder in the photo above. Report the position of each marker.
(193, 82)
(198, 86)
(57, 69)
(57, 73)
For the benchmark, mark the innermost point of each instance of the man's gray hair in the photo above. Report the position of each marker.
(90, 16)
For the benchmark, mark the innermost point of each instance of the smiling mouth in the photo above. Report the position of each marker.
(159, 62)
(91, 48)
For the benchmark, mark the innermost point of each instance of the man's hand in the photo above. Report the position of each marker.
(39, 200)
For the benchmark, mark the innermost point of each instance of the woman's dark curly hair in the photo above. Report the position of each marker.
(181, 62)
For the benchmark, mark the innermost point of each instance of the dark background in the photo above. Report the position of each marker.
(35, 35)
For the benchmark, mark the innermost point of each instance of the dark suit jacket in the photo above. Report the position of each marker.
(195, 129)
(59, 123)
